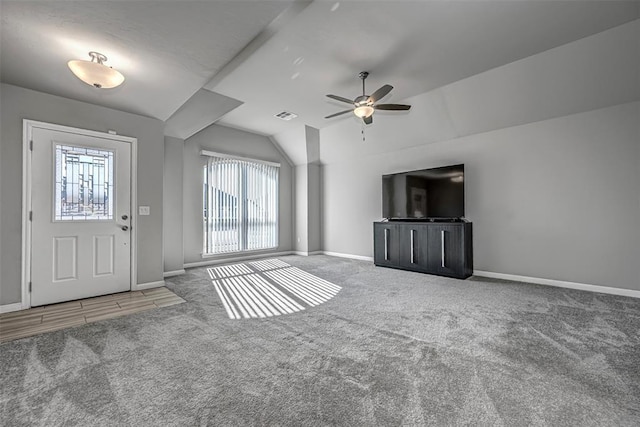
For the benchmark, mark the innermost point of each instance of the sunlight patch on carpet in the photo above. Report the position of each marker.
(267, 288)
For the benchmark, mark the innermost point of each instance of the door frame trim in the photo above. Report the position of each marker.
(27, 131)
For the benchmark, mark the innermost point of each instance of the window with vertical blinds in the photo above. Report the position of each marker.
(240, 205)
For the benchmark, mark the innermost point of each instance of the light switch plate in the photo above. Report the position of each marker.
(144, 210)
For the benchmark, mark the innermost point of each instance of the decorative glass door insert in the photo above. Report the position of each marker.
(84, 183)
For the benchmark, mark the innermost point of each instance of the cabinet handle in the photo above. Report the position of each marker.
(442, 246)
(386, 244)
(412, 250)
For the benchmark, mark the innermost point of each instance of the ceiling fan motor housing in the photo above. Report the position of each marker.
(362, 100)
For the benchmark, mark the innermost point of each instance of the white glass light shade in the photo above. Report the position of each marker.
(363, 111)
(96, 74)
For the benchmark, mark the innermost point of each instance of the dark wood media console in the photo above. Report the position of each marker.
(441, 248)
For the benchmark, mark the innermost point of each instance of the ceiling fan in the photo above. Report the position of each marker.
(365, 105)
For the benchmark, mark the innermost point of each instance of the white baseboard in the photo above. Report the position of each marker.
(173, 273)
(148, 285)
(359, 257)
(308, 253)
(560, 284)
(234, 259)
(8, 308)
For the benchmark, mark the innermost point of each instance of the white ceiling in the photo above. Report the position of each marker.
(415, 46)
(169, 50)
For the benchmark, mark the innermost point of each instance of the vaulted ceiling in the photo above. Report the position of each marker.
(240, 62)
(167, 50)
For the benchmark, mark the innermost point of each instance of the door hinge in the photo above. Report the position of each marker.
(31, 145)
(30, 215)
(29, 286)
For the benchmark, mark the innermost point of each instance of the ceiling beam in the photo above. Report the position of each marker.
(258, 41)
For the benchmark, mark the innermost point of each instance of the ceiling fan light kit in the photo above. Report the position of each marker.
(365, 105)
(95, 73)
(363, 111)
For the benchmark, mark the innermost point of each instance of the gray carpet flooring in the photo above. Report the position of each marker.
(391, 348)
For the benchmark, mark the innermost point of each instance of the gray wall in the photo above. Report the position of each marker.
(226, 140)
(307, 208)
(556, 199)
(173, 204)
(314, 241)
(307, 234)
(12, 295)
(551, 147)
(302, 209)
(18, 104)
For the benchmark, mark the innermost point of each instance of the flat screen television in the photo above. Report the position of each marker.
(426, 194)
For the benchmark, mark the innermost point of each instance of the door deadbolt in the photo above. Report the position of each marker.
(124, 217)
(125, 227)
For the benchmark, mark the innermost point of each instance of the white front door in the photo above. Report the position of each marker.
(81, 209)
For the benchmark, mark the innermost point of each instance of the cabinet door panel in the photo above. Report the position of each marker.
(434, 248)
(444, 243)
(453, 256)
(413, 246)
(386, 244)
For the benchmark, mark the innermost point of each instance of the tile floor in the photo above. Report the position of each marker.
(25, 323)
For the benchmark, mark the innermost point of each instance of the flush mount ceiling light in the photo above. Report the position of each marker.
(95, 72)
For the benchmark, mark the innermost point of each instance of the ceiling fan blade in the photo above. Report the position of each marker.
(380, 93)
(340, 98)
(394, 107)
(338, 114)
(368, 120)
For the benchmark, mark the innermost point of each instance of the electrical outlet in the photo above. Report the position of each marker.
(144, 210)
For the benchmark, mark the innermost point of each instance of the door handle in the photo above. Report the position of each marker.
(386, 244)
(125, 227)
(125, 217)
(412, 247)
(442, 247)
